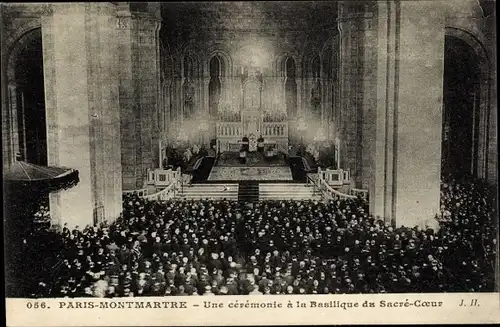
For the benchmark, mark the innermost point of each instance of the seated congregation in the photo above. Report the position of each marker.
(275, 247)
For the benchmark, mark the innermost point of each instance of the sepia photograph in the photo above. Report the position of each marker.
(325, 157)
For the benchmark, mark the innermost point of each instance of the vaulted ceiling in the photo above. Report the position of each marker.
(250, 15)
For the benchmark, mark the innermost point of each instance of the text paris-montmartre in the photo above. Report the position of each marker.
(114, 304)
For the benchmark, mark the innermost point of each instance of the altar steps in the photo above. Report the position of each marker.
(210, 191)
(288, 191)
(248, 191)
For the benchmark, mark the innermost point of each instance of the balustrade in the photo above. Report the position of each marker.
(235, 129)
(166, 177)
(335, 177)
(166, 194)
(275, 129)
(331, 193)
(229, 129)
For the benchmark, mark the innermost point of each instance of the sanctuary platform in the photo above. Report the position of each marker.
(255, 168)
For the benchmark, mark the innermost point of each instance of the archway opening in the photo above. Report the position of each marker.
(290, 88)
(28, 98)
(214, 86)
(461, 109)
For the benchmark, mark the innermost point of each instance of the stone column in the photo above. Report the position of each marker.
(12, 121)
(139, 93)
(206, 108)
(298, 79)
(83, 120)
(353, 26)
(405, 113)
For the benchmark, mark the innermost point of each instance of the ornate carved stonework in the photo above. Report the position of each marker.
(124, 22)
(252, 89)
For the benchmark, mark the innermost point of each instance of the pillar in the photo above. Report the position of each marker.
(405, 149)
(354, 26)
(139, 85)
(83, 120)
(11, 127)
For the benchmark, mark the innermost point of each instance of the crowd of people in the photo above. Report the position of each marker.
(276, 247)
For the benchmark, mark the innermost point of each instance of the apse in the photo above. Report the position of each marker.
(255, 54)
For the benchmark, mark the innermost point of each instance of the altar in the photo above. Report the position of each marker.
(252, 147)
(251, 124)
(230, 135)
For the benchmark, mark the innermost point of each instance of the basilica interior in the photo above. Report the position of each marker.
(375, 99)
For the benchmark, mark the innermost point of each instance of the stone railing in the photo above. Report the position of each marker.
(334, 177)
(229, 129)
(174, 178)
(331, 193)
(163, 177)
(327, 191)
(166, 194)
(235, 129)
(275, 129)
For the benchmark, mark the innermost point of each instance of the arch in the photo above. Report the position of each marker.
(226, 60)
(214, 85)
(14, 38)
(485, 67)
(473, 41)
(328, 58)
(311, 51)
(215, 66)
(188, 67)
(316, 66)
(290, 68)
(192, 51)
(15, 42)
(23, 107)
(14, 45)
(279, 61)
(279, 64)
(311, 60)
